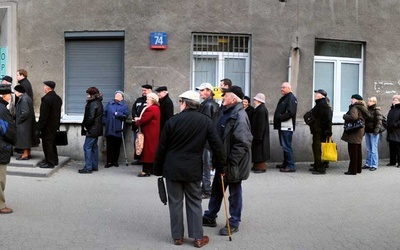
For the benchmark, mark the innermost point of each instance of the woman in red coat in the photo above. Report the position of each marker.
(149, 122)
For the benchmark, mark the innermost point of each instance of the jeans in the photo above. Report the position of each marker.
(285, 139)
(372, 150)
(235, 201)
(91, 150)
(206, 183)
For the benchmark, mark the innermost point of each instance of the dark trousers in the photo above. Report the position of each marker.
(177, 190)
(113, 148)
(394, 152)
(49, 147)
(355, 158)
(217, 196)
(316, 147)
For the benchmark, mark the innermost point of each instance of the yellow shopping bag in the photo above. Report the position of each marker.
(329, 151)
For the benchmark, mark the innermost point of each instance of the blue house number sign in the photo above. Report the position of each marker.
(158, 40)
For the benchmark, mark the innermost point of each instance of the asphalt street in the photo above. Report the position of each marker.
(115, 209)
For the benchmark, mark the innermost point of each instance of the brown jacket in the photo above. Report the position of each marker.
(357, 110)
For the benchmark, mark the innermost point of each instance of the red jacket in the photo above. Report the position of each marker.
(150, 126)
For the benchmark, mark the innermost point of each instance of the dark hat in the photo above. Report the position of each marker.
(51, 84)
(20, 89)
(5, 89)
(236, 90)
(7, 78)
(162, 88)
(321, 91)
(92, 91)
(357, 97)
(247, 98)
(147, 86)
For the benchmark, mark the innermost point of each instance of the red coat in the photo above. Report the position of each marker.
(150, 126)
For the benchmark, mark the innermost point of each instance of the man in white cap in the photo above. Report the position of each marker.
(210, 108)
(179, 160)
(260, 130)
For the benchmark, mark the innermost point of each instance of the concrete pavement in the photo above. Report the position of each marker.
(114, 209)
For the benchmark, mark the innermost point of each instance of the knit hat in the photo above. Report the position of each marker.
(122, 93)
(246, 98)
(357, 97)
(92, 91)
(260, 97)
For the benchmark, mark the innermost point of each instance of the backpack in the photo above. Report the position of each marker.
(384, 124)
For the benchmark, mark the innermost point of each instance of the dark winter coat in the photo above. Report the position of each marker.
(25, 123)
(356, 110)
(180, 150)
(137, 108)
(92, 125)
(7, 133)
(27, 86)
(285, 110)
(393, 123)
(236, 139)
(150, 126)
(166, 109)
(322, 124)
(50, 114)
(112, 121)
(209, 107)
(374, 125)
(260, 130)
(250, 111)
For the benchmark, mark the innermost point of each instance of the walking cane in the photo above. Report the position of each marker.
(226, 208)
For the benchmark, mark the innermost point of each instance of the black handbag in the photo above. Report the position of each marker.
(61, 138)
(350, 127)
(161, 190)
(309, 118)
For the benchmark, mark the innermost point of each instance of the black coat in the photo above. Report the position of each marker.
(393, 123)
(322, 113)
(179, 154)
(260, 130)
(209, 107)
(25, 122)
(137, 108)
(92, 125)
(27, 86)
(50, 114)
(285, 110)
(7, 133)
(250, 111)
(166, 109)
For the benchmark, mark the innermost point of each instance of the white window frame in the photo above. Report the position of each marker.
(338, 61)
(220, 58)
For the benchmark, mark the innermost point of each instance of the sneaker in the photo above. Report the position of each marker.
(209, 223)
(224, 230)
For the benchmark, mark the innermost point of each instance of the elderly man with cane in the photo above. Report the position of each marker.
(233, 127)
(179, 160)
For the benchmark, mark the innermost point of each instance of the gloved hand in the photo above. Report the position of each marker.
(328, 133)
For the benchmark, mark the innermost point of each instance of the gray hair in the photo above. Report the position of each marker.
(191, 104)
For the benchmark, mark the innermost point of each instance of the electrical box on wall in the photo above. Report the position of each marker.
(158, 40)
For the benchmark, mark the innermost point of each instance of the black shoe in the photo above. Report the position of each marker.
(280, 166)
(312, 169)
(209, 223)
(47, 165)
(42, 163)
(143, 174)
(365, 167)
(287, 170)
(348, 173)
(22, 158)
(318, 172)
(95, 169)
(224, 230)
(259, 171)
(108, 165)
(84, 171)
(116, 164)
(391, 164)
(372, 169)
(312, 165)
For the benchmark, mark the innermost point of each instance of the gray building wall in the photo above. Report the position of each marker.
(275, 28)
